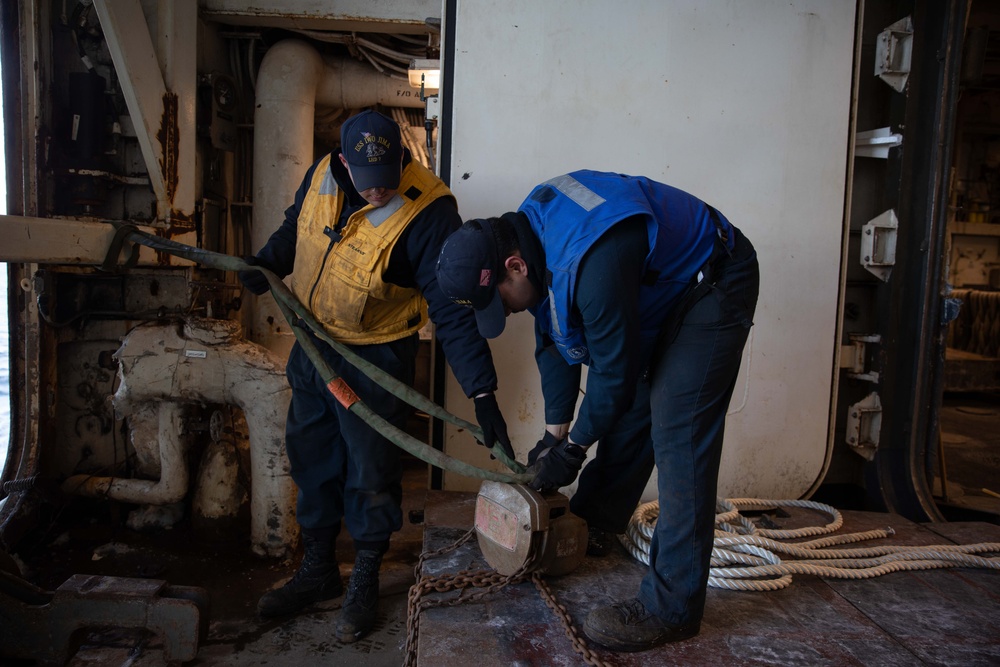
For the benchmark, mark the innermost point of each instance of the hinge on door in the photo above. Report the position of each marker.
(864, 421)
(878, 245)
(893, 51)
(855, 357)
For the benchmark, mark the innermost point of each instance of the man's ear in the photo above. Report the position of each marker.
(515, 264)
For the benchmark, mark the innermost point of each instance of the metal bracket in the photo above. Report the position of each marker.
(864, 422)
(432, 109)
(893, 51)
(854, 357)
(876, 143)
(41, 625)
(878, 245)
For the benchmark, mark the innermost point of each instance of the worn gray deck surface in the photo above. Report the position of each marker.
(938, 617)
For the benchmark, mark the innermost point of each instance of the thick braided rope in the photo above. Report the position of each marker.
(738, 541)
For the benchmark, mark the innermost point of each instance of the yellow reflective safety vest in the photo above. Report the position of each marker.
(338, 274)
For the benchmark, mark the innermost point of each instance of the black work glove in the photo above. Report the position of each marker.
(557, 466)
(491, 421)
(254, 280)
(548, 441)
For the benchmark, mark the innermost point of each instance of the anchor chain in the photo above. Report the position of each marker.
(491, 582)
(574, 636)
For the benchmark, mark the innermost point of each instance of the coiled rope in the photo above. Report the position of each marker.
(739, 542)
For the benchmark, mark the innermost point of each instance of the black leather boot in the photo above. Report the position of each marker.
(600, 542)
(357, 616)
(628, 626)
(317, 579)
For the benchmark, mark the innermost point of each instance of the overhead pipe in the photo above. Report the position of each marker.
(293, 79)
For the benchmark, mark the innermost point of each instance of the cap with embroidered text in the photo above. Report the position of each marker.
(370, 143)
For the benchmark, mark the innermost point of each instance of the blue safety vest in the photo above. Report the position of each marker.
(570, 213)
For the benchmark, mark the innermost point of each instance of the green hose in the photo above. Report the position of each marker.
(293, 310)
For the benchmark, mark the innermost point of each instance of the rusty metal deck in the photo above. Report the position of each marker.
(938, 617)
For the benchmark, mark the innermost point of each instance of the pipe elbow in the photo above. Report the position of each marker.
(290, 72)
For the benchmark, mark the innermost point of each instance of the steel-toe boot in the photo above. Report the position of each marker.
(317, 579)
(600, 542)
(357, 616)
(629, 626)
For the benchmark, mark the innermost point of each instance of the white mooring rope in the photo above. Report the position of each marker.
(738, 541)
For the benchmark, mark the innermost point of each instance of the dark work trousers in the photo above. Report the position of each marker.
(691, 384)
(343, 468)
(612, 483)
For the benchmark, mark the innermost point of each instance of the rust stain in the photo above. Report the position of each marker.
(168, 136)
(180, 222)
(162, 256)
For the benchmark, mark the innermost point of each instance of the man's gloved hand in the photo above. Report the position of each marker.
(557, 466)
(491, 421)
(254, 280)
(547, 442)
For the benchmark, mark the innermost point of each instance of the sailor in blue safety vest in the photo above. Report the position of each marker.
(655, 291)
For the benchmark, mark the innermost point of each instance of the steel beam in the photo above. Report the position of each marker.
(160, 97)
(55, 241)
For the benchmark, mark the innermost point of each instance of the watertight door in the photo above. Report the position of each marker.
(746, 105)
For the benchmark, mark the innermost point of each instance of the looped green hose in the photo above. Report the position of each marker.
(293, 310)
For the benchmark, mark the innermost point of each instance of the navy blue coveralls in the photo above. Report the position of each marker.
(656, 292)
(344, 470)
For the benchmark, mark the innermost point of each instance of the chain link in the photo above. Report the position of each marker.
(579, 643)
(488, 580)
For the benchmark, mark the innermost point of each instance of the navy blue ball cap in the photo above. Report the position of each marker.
(370, 142)
(467, 272)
